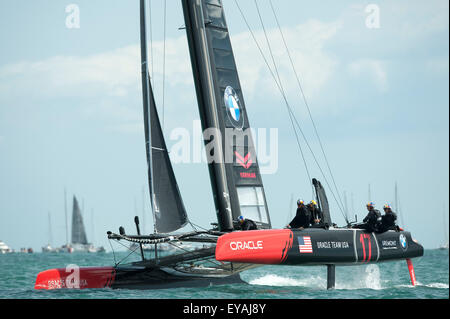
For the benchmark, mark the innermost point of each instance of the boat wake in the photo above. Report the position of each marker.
(280, 281)
(435, 285)
(368, 279)
(438, 285)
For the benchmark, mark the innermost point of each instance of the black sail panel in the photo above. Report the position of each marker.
(323, 202)
(78, 231)
(236, 180)
(169, 209)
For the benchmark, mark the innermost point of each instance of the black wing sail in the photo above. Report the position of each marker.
(323, 202)
(78, 231)
(168, 208)
(236, 179)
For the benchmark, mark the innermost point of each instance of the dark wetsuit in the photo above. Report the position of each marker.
(302, 218)
(388, 221)
(249, 224)
(372, 220)
(315, 214)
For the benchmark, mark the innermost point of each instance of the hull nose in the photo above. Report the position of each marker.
(417, 247)
(74, 277)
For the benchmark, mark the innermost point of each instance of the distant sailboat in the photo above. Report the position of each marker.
(49, 248)
(79, 242)
(445, 245)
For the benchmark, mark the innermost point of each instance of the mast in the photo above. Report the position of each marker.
(92, 226)
(65, 213)
(235, 180)
(169, 213)
(146, 105)
(143, 209)
(345, 205)
(50, 236)
(195, 28)
(291, 209)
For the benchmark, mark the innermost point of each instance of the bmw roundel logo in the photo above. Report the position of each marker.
(403, 242)
(234, 111)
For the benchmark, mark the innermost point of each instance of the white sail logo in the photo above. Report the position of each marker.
(231, 101)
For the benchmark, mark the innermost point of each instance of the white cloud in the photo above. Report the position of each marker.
(110, 79)
(306, 45)
(116, 73)
(375, 69)
(110, 73)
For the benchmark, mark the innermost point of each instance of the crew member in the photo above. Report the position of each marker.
(373, 218)
(316, 215)
(302, 217)
(388, 220)
(247, 224)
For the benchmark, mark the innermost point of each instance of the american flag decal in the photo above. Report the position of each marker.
(305, 245)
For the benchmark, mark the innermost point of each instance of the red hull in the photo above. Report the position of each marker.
(256, 247)
(76, 278)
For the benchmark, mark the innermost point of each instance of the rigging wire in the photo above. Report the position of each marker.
(151, 41)
(112, 249)
(305, 99)
(164, 67)
(132, 251)
(282, 92)
(282, 89)
(291, 113)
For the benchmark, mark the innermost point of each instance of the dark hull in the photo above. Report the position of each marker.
(312, 247)
(349, 247)
(128, 277)
(167, 278)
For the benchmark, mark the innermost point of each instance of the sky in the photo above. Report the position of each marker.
(375, 75)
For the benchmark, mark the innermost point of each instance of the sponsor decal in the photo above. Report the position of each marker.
(333, 244)
(389, 244)
(403, 242)
(305, 245)
(246, 162)
(235, 114)
(248, 175)
(246, 245)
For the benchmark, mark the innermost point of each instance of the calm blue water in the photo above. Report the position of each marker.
(383, 281)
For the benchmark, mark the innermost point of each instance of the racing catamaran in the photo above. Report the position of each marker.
(237, 188)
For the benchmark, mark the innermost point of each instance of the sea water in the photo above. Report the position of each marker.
(376, 281)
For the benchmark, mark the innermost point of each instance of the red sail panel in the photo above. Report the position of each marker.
(73, 277)
(268, 247)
